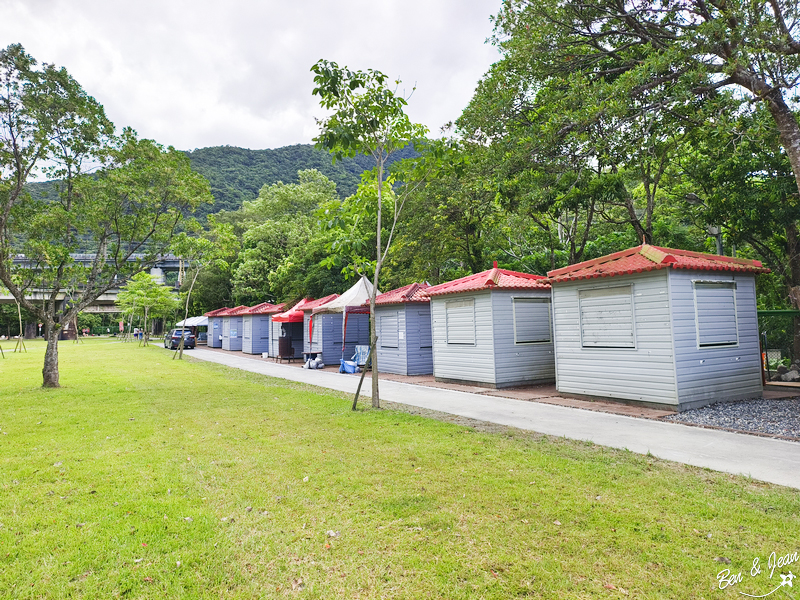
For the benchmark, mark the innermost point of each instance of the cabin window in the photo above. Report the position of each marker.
(263, 329)
(606, 316)
(425, 337)
(715, 313)
(388, 332)
(531, 320)
(460, 315)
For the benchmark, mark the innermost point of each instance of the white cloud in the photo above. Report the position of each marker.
(200, 73)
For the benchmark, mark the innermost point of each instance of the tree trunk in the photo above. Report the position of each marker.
(50, 370)
(793, 254)
(179, 352)
(373, 332)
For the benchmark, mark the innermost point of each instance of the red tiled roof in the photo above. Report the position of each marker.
(413, 292)
(317, 303)
(295, 314)
(217, 312)
(493, 279)
(265, 308)
(650, 258)
(233, 312)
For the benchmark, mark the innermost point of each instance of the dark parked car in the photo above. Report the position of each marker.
(173, 338)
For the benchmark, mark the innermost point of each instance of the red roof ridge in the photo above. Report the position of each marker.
(519, 274)
(657, 255)
(232, 312)
(412, 289)
(216, 312)
(747, 262)
(650, 258)
(595, 261)
(494, 278)
(265, 308)
(412, 292)
(319, 302)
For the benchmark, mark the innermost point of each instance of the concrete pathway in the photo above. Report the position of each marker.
(765, 459)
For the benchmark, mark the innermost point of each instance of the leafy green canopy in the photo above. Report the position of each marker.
(120, 199)
(369, 118)
(238, 174)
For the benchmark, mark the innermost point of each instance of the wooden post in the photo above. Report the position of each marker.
(20, 342)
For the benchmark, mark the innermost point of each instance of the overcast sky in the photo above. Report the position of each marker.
(197, 73)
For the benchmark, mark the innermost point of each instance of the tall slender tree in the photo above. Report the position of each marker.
(369, 118)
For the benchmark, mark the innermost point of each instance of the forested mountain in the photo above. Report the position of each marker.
(237, 174)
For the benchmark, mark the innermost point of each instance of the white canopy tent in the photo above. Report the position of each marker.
(352, 301)
(193, 322)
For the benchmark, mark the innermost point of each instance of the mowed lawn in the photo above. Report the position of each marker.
(145, 477)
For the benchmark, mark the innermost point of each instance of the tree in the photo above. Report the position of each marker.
(122, 218)
(281, 200)
(368, 118)
(144, 294)
(203, 249)
(647, 62)
(264, 247)
(271, 227)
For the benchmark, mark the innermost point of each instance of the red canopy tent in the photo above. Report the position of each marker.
(293, 315)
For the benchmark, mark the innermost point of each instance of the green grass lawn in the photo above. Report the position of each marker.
(145, 477)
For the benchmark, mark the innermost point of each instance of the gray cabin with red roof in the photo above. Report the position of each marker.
(662, 327)
(215, 327)
(492, 329)
(232, 328)
(403, 322)
(256, 325)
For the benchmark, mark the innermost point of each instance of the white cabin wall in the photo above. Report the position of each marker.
(710, 374)
(518, 364)
(645, 373)
(419, 340)
(464, 362)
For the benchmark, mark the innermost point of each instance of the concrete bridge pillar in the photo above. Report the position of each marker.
(158, 274)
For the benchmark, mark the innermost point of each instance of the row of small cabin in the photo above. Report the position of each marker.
(657, 326)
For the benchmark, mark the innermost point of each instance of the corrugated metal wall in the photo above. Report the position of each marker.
(709, 373)
(419, 341)
(472, 362)
(232, 333)
(255, 338)
(391, 345)
(645, 372)
(247, 334)
(521, 362)
(215, 332)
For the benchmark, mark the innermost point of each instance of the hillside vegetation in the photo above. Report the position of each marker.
(237, 174)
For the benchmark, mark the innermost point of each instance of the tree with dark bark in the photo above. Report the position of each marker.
(640, 61)
(121, 218)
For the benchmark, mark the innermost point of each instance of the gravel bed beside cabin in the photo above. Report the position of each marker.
(769, 417)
